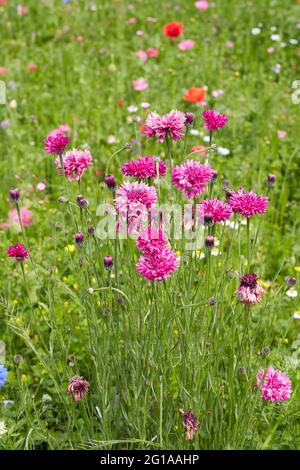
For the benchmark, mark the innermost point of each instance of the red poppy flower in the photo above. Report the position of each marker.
(173, 30)
(195, 95)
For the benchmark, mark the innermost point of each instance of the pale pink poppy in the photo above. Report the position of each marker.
(3, 70)
(140, 84)
(31, 67)
(142, 55)
(186, 45)
(131, 20)
(22, 10)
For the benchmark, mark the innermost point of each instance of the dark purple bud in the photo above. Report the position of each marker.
(209, 242)
(14, 194)
(82, 202)
(212, 301)
(225, 184)
(242, 370)
(249, 280)
(189, 119)
(214, 176)
(291, 281)
(110, 182)
(91, 230)
(18, 359)
(79, 238)
(62, 200)
(271, 180)
(265, 351)
(108, 262)
(208, 220)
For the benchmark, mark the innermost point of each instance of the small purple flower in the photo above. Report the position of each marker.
(79, 238)
(108, 262)
(190, 424)
(14, 194)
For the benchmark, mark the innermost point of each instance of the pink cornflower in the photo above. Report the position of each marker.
(281, 134)
(191, 177)
(190, 424)
(275, 385)
(152, 52)
(171, 124)
(144, 167)
(186, 45)
(56, 143)
(13, 218)
(249, 291)
(151, 240)
(142, 55)
(140, 84)
(75, 162)
(214, 120)
(218, 210)
(202, 5)
(248, 204)
(157, 266)
(78, 387)
(17, 251)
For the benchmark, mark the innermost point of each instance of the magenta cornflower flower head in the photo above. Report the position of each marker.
(217, 209)
(108, 262)
(151, 240)
(248, 204)
(110, 182)
(18, 251)
(214, 120)
(56, 143)
(144, 167)
(75, 162)
(274, 385)
(191, 177)
(171, 124)
(14, 194)
(157, 266)
(78, 387)
(249, 291)
(190, 424)
(79, 238)
(132, 197)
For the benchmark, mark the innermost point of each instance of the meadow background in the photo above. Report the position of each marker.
(145, 360)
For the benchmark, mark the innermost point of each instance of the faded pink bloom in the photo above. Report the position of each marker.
(270, 50)
(190, 424)
(26, 217)
(22, 10)
(18, 251)
(202, 5)
(142, 55)
(41, 186)
(152, 52)
(140, 84)
(217, 93)
(191, 177)
(78, 387)
(56, 143)
(32, 67)
(249, 291)
(214, 120)
(151, 240)
(79, 39)
(229, 44)
(131, 20)
(75, 162)
(281, 134)
(64, 128)
(274, 385)
(171, 124)
(144, 167)
(186, 45)
(248, 204)
(218, 210)
(4, 70)
(157, 266)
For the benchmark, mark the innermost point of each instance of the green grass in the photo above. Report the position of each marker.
(146, 351)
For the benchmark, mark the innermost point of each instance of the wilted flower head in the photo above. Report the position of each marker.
(217, 209)
(171, 124)
(248, 204)
(56, 143)
(3, 375)
(151, 240)
(191, 177)
(249, 291)
(190, 424)
(274, 385)
(78, 387)
(110, 182)
(214, 120)
(18, 251)
(158, 265)
(144, 167)
(291, 281)
(75, 162)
